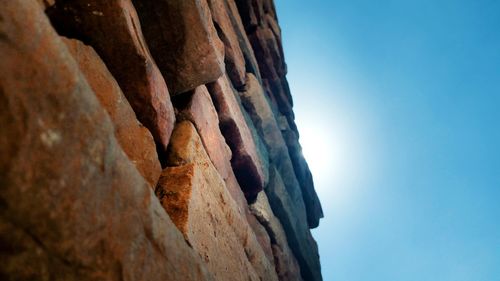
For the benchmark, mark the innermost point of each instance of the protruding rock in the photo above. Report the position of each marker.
(199, 109)
(311, 200)
(73, 206)
(249, 163)
(294, 217)
(113, 29)
(286, 265)
(234, 59)
(245, 46)
(252, 13)
(183, 41)
(257, 105)
(134, 138)
(286, 206)
(279, 92)
(194, 194)
(268, 53)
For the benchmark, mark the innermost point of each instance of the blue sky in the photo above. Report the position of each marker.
(398, 104)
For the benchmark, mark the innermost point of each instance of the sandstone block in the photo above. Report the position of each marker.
(249, 163)
(245, 46)
(280, 93)
(294, 216)
(287, 208)
(183, 41)
(199, 109)
(252, 13)
(135, 140)
(112, 27)
(304, 176)
(194, 194)
(268, 53)
(257, 105)
(287, 266)
(234, 59)
(73, 206)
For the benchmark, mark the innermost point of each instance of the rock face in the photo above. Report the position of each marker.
(73, 206)
(88, 114)
(135, 140)
(249, 163)
(195, 195)
(183, 41)
(113, 29)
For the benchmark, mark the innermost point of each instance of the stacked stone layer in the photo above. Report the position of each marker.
(150, 140)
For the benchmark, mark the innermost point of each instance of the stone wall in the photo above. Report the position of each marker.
(150, 140)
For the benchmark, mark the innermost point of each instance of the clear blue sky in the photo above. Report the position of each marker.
(398, 103)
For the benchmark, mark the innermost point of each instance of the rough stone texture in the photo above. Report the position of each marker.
(259, 18)
(252, 13)
(183, 41)
(257, 105)
(134, 138)
(286, 207)
(73, 207)
(278, 90)
(286, 265)
(199, 109)
(313, 206)
(246, 48)
(234, 59)
(113, 29)
(248, 162)
(194, 194)
(267, 52)
(76, 166)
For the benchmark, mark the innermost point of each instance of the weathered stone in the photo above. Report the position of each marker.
(280, 94)
(234, 59)
(304, 176)
(249, 164)
(132, 136)
(199, 109)
(245, 46)
(113, 29)
(252, 13)
(270, 19)
(183, 41)
(286, 265)
(73, 206)
(256, 103)
(262, 236)
(193, 192)
(287, 207)
(268, 53)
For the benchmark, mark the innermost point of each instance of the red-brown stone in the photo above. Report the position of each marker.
(195, 195)
(113, 29)
(234, 59)
(287, 266)
(183, 41)
(132, 136)
(249, 164)
(73, 206)
(200, 110)
(246, 48)
(284, 190)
